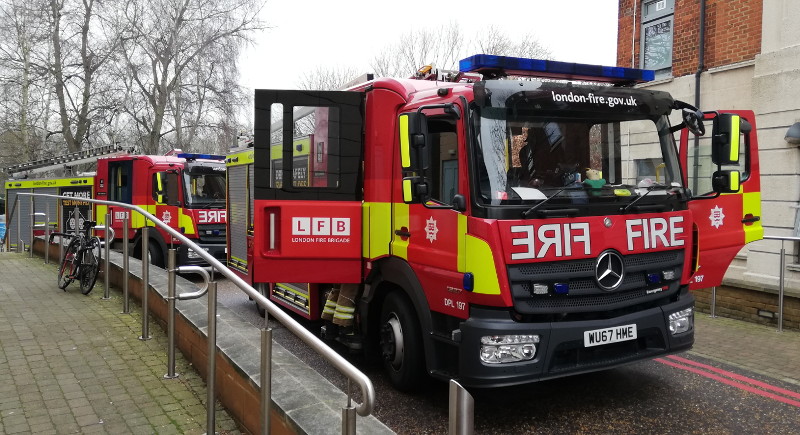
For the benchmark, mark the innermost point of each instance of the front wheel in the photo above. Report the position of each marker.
(66, 272)
(262, 288)
(401, 343)
(90, 266)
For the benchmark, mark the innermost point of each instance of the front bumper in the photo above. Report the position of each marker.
(561, 351)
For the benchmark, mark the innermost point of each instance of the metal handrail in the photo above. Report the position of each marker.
(340, 363)
(781, 283)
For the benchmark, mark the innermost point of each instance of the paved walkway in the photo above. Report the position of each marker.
(71, 363)
(750, 346)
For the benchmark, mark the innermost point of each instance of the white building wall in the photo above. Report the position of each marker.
(769, 86)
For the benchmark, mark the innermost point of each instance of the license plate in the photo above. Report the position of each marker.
(616, 334)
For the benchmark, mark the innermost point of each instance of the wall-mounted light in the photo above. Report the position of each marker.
(793, 134)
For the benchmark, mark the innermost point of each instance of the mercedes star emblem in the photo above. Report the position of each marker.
(609, 270)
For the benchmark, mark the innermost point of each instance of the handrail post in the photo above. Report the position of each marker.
(349, 414)
(47, 233)
(126, 309)
(212, 357)
(462, 407)
(33, 224)
(781, 288)
(107, 247)
(20, 242)
(266, 374)
(714, 302)
(171, 315)
(145, 282)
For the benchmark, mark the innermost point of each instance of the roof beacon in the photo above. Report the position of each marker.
(502, 66)
(194, 156)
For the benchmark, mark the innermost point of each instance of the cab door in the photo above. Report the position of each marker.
(725, 222)
(429, 231)
(166, 193)
(308, 151)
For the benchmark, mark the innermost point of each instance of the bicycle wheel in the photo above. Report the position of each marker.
(66, 272)
(90, 265)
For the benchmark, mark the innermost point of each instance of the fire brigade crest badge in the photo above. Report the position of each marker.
(166, 217)
(716, 217)
(430, 229)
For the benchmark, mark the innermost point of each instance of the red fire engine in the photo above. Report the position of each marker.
(501, 231)
(186, 191)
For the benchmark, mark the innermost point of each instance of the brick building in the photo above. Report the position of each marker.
(748, 58)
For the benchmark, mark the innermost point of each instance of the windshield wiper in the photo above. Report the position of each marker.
(649, 188)
(535, 206)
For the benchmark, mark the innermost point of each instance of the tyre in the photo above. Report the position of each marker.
(401, 343)
(154, 254)
(66, 271)
(90, 266)
(262, 288)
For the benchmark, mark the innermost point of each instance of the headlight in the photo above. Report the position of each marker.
(499, 349)
(681, 321)
(194, 255)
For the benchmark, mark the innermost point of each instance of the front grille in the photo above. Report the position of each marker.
(211, 233)
(585, 295)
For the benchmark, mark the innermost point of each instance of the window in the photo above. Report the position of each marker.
(316, 133)
(656, 39)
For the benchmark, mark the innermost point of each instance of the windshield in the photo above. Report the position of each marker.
(572, 151)
(205, 187)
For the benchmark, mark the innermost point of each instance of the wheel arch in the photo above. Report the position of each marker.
(394, 274)
(155, 237)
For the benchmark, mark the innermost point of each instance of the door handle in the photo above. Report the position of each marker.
(402, 233)
(749, 219)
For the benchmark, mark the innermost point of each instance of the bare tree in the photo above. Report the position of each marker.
(444, 47)
(23, 37)
(82, 43)
(441, 47)
(493, 41)
(168, 37)
(327, 79)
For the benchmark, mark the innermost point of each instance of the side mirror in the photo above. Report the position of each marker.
(415, 190)
(413, 139)
(459, 202)
(725, 141)
(726, 181)
(694, 121)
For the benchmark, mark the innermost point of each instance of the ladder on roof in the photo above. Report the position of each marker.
(24, 170)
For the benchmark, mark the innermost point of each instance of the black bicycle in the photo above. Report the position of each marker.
(81, 259)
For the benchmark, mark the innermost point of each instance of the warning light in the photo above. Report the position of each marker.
(501, 66)
(194, 156)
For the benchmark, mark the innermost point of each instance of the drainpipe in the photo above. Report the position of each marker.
(700, 66)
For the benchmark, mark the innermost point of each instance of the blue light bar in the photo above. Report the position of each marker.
(500, 66)
(194, 156)
(561, 288)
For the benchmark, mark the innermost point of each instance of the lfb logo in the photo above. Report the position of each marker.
(320, 226)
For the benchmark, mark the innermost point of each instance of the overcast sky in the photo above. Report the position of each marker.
(307, 34)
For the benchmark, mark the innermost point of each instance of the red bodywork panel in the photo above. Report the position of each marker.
(319, 240)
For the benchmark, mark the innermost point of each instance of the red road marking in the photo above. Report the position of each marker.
(732, 382)
(737, 376)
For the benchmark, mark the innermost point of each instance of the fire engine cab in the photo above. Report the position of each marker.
(513, 221)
